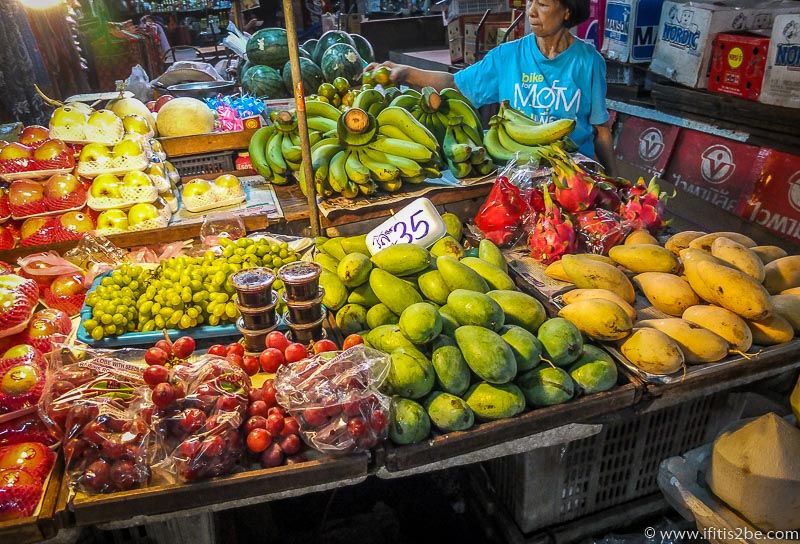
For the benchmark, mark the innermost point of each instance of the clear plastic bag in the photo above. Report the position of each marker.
(336, 399)
(198, 432)
(26, 428)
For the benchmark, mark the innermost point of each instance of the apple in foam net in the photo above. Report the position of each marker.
(20, 351)
(134, 178)
(112, 219)
(49, 150)
(128, 148)
(68, 285)
(16, 150)
(133, 123)
(196, 187)
(105, 186)
(104, 119)
(67, 115)
(227, 181)
(24, 192)
(31, 226)
(139, 213)
(33, 134)
(61, 186)
(77, 222)
(19, 379)
(94, 152)
(7, 238)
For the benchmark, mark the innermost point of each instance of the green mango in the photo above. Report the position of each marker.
(387, 338)
(351, 318)
(433, 287)
(356, 244)
(395, 293)
(526, 347)
(411, 374)
(326, 262)
(408, 422)
(363, 295)
(520, 309)
(496, 278)
(402, 259)
(448, 412)
(460, 276)
(354, 269)
(487, 354)
(453, 225)
(452, 371)
(449, 321)
(335, 292)
(489, 402)
(546, 385)
(492, 254)
(562, 342)
(319, 241)
(333, 247)
(594, 371)
(473, 308)
(380, 315)
(420, 323)
(447, 245)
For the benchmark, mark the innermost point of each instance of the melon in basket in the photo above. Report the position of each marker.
(185, 117)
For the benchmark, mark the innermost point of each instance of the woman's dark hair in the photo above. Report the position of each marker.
(578, 11)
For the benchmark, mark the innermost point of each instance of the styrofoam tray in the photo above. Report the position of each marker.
(36, 174)
(48, 214)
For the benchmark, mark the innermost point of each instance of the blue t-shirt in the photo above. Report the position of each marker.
(572, 85)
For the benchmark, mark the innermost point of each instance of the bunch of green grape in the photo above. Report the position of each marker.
(182, 292)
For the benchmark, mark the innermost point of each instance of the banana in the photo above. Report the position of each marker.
(511, 144)
(511, 114)
(367, 188)
(367, 98)
(274, 155)
(704, 242)
(408, 125)
(771, 330)
(475, 137)
(782, 274)
(356, 127)
(293, 166)
(478, 156)
(790, 291)
(459, 169)
(431, 172)
(350, 190)
(407, 102)
(454, 150)
(320, 160)
(381, 171)
(449, 93)
(316, 108)
(258, 151)
(356, 172)
(438, 124)
(406, 166)
(290, 152)
(376, 108)
(470, 117)
(667, 292)
(592, 274)
(391, 131)
(279, 179)
(738, 256)
(314, 136)
(698, 344)
(768, 254)
(324, 141)
(652, 351)
(402, 148)
(485, 168)
(295, 137)
(414, 179)
(390, 186)
(788, 307)
(640, 236)
(322, 124)
(724, 322)
(532, 135)
(576, 295)
(337, 176)
(681, 240)
(735, 290)
(645, 258)
(492, 144)
(599, 319)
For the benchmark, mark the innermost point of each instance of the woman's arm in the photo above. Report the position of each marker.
(604, 149)
(416, 77)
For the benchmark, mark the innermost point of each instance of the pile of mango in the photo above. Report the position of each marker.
(720, 293)
(464, 344)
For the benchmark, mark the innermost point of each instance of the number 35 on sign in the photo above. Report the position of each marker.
(418, 223)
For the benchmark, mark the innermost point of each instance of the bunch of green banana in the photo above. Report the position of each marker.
(513, 134)
(283, 147)
(321, 118)
(462, 151)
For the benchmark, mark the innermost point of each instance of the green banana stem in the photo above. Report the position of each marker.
(431, 100)
(285, 121)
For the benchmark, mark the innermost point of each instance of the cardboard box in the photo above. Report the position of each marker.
(631, 28)
(456, 33)
(647, 144)
(717, 170)
(478, 42)
(591, 30)
(775, 201)
(781, 85)
(737, 64)
(685, 35)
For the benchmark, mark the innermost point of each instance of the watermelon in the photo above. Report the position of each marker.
(269, 47)
(303, 52)
(311, 47)
(312, 76)
(342, 60)
(328, 39)
(364, 48)
(263, 82)
(242, 67)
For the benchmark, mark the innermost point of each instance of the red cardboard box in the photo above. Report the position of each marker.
(714, 169)
(591, 31)
(737, 65)
(647, 144)
(775, 201)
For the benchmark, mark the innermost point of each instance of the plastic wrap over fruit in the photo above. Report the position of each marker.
(24, 468)
(335, 399)
(96, 401)
(197, 414)
(599, 230)
(26, 428)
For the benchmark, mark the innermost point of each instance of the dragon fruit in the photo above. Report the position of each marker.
(575, 189)
(552, 234)
(599, 230)
(645, 210)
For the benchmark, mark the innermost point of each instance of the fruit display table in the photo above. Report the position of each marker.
(42, 524)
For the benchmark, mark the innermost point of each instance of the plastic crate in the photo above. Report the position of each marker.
(553, 485)
(209, 163)
(458, 8)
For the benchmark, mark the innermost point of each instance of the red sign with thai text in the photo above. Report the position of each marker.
(647, 144)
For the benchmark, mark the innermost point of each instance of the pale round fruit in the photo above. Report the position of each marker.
(19, 380)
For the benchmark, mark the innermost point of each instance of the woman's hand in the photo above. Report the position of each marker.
(398, 73)
(402, 74)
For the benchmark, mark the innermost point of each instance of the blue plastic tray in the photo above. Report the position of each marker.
(151, 337)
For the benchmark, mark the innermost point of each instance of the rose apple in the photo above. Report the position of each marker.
(68, 285)
(61, 186)
(25, 192)
(16, 150)
(49, 150)
(33, 134)
(77, 222)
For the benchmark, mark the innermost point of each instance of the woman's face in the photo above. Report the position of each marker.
(547, 17)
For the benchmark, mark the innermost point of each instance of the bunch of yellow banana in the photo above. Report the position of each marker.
(462, 151)
(513, 134)
(371, 152)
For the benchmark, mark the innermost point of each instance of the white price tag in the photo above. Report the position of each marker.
(418, 223)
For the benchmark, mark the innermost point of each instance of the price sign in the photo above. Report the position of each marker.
(418, 223)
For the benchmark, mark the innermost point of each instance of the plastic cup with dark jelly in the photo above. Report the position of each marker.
(254, 340)
(254, 286)
(307, 333)
(301, 279)
(306, 312)
(256, 319)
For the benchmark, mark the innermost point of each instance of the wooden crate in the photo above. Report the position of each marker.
(44, 524)
(215, 142)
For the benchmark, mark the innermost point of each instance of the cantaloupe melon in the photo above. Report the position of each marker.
(127, 106)
(756, 471)
(184, 117)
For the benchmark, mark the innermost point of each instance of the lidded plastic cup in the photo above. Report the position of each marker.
(301, 279)
(254, 286)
